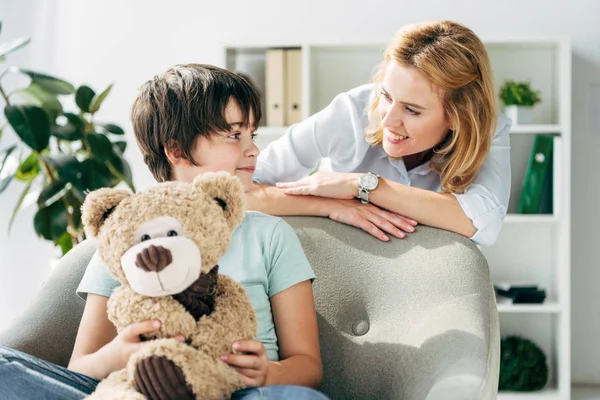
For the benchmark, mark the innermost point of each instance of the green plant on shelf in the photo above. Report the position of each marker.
(514, 93)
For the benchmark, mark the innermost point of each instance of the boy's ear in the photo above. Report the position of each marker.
(227, 191)
(174, 153)
(97, 207)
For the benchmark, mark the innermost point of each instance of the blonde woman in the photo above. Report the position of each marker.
(421, 144)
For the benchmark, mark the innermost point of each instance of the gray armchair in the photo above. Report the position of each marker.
(410, 319)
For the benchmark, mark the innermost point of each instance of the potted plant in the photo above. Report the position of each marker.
(519, 99)
(62, 155)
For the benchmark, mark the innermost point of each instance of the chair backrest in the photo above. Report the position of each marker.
(408, 319)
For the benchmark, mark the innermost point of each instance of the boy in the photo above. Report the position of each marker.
(193, 119)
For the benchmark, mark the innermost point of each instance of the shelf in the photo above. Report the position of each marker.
(548, 394)
(547, 307)
(536, 129)
(530, 219)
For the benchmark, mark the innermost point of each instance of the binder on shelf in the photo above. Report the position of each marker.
(536, 194)
(293, 86)
(275, 87)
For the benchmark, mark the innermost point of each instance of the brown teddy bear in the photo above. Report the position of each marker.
(163, 245)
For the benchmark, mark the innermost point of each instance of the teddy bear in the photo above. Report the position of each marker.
(163, 246)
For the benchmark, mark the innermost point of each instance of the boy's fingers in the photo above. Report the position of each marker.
(249, 346)
(241, 361)
(134, 330)
(248, 372)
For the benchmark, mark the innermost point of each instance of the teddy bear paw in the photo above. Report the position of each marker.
(158, 378)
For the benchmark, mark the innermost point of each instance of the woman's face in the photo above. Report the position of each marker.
(411, 112)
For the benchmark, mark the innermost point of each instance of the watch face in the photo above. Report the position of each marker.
(369, 181)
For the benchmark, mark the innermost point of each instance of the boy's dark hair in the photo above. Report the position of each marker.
(185, 102)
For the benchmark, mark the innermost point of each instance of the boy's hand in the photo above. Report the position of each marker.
(117, 352)
(252, 366)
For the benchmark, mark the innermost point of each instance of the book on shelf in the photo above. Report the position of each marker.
(536, 194)
(283, 86)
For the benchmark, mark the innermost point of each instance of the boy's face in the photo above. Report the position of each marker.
(233, 151)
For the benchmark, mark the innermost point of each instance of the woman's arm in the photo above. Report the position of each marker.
(370, 218)
(336, 132)
(439, 210)
(297, 333)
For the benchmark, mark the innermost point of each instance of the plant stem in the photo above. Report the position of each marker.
(45, 167)
(70, 227)
(3, 93)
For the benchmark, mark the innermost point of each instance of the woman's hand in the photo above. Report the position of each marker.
(371, 219)
(335, 185)
(116, 353)
(252, 364)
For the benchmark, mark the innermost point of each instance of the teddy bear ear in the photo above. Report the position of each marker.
(97, 207)
(227, 191)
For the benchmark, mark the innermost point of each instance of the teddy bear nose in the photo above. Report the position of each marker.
(154, 258)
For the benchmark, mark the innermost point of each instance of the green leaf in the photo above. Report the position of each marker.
(10, 164)
(67, 167)
(83, 97)
(97, 101)
(95, 175)
(7, 48)
(72, 130)
(19, 204)
(36, 95)
(49, 83)
(75, 120)
(66, 132)
(123, 169)
(55, 191)
(117, 130)
(31, 123)
(29, 169)
(51, 222)
(101, 146)
(65, 241)
(122, 146)
(75, 202)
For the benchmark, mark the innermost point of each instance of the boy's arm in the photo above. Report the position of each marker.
(95, 331)
(296, 321)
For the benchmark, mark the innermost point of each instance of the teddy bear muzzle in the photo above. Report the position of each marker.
(162, 266)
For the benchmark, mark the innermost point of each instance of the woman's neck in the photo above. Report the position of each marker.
(414, 160)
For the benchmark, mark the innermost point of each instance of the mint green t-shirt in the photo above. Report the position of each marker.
(265, 256)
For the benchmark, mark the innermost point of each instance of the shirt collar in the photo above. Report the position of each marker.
(422, 169)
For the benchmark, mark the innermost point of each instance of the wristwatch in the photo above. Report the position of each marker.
(366, 183)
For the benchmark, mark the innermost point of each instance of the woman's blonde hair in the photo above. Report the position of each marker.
(455, 61)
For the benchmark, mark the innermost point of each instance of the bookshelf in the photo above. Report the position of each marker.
(531, 247)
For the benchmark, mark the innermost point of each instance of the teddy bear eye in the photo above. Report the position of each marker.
(145, 237)
(171, 233)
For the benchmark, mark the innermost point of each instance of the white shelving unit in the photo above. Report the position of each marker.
(530, 247)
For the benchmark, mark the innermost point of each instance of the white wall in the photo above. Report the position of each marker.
(127, 42)
(23, 256)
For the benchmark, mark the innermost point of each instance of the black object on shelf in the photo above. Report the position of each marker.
(520, 293)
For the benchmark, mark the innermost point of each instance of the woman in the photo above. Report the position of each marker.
(422, 143)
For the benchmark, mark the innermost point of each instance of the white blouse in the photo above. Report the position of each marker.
(338, 133)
